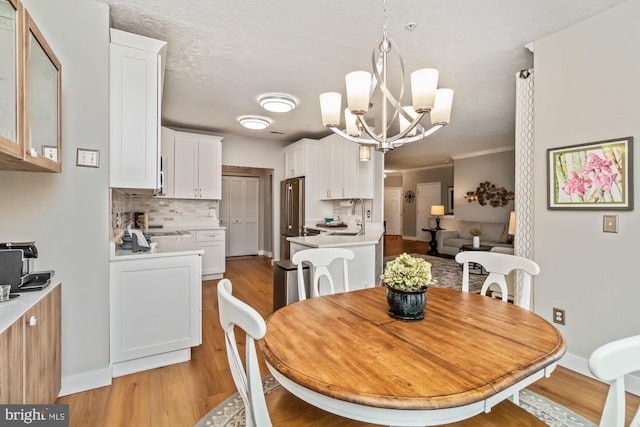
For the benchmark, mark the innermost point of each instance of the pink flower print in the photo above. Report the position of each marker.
(596, 164)
(576, 184)
(605, 181)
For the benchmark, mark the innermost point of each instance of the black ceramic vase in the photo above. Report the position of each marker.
(406, 305)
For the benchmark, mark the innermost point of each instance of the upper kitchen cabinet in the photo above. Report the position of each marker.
(197, 166)
(10, 71)
(341, 173)
(30, 94)
(136, 77)
(42, 94)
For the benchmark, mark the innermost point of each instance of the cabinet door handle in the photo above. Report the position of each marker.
(32, 321)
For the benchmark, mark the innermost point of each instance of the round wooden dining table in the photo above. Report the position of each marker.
(345, 354)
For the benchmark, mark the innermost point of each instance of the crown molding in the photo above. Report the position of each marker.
(483, 152)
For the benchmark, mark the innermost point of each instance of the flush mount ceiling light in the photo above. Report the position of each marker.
(277, 102)
(254, 122)
(361, 85)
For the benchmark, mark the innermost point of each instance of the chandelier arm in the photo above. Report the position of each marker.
(377, 68)
(361, 141)
(409, 128)
(369, 131)
(419, 136)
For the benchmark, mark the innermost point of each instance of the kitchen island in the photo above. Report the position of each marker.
(366, 267)
(156, 305)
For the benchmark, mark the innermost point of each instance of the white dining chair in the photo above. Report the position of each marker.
(319, 259)
(282, 407)
(499, 265)
(611, 362)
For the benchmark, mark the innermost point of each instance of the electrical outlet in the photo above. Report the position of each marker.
(368, 213)
(558, 316)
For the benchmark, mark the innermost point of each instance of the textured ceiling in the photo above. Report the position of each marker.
(222, 55)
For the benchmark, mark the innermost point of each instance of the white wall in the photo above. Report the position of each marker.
(587, 88)
(67, 214)
(259, 153)
(468, 172)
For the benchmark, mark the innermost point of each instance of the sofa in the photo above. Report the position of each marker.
(493, 234)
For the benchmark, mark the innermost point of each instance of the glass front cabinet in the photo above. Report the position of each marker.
(30, 94)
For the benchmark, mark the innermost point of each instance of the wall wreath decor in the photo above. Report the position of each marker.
(489, 193)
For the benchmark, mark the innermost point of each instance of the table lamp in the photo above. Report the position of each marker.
(512, 225)
(437, 211)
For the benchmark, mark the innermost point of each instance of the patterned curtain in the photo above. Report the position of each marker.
(523, 244)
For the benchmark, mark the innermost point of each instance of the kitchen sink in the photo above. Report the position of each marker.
(344, 233)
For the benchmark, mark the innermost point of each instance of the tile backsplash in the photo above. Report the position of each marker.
(165, 212)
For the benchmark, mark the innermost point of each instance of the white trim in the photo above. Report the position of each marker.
(85, 381)
(150, 362)
(409, 237)
(483, 152)
(581, 365)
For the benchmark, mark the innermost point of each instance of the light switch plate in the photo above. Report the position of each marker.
(610, 223)
(88, 158)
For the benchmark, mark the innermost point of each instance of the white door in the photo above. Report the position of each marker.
(243, 216)
(224, 210)
(393, 210)
(427, 194)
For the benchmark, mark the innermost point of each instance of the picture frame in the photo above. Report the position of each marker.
(450, 200)
(592, 176)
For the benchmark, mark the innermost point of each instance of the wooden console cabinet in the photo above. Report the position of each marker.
(30, 354)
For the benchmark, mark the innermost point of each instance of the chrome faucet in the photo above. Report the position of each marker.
(355, 202)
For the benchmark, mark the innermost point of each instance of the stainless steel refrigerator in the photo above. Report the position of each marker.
(291, 212)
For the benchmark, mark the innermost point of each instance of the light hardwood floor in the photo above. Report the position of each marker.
(179, 395)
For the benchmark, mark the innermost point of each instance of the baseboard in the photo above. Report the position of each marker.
(409, 238)
(581, 365)
(85, 381)
(150, 362)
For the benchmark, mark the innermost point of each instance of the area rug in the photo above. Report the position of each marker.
(230, 413)
(448, 273)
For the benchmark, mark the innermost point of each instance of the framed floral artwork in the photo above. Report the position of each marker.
(596, 175)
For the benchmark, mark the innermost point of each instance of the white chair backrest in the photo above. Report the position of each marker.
(611, 362)
(319, 259)
(498, 266)
(234, 312)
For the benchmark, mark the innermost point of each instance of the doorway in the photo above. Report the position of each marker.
(427, 194)
(393, 210)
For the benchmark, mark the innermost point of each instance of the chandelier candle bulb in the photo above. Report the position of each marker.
(423, 89)
(330, 104)
(441, 113)
(358, 87)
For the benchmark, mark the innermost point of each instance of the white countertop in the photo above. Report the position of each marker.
(328, 240)
(167, 246)
(14, 309)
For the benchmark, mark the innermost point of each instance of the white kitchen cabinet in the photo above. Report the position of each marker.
(156, 311)
(294, 160)
(197, 166)
(244, 213)
(135, 95)
(167, 144)
(340, 169)
(213, 259)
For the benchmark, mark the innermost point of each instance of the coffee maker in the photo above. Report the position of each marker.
(16, 267)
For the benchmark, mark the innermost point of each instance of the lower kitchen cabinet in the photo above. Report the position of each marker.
(30, 354)
(213, 259)
(156, 311)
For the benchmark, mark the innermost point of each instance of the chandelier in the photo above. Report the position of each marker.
(361, 85)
